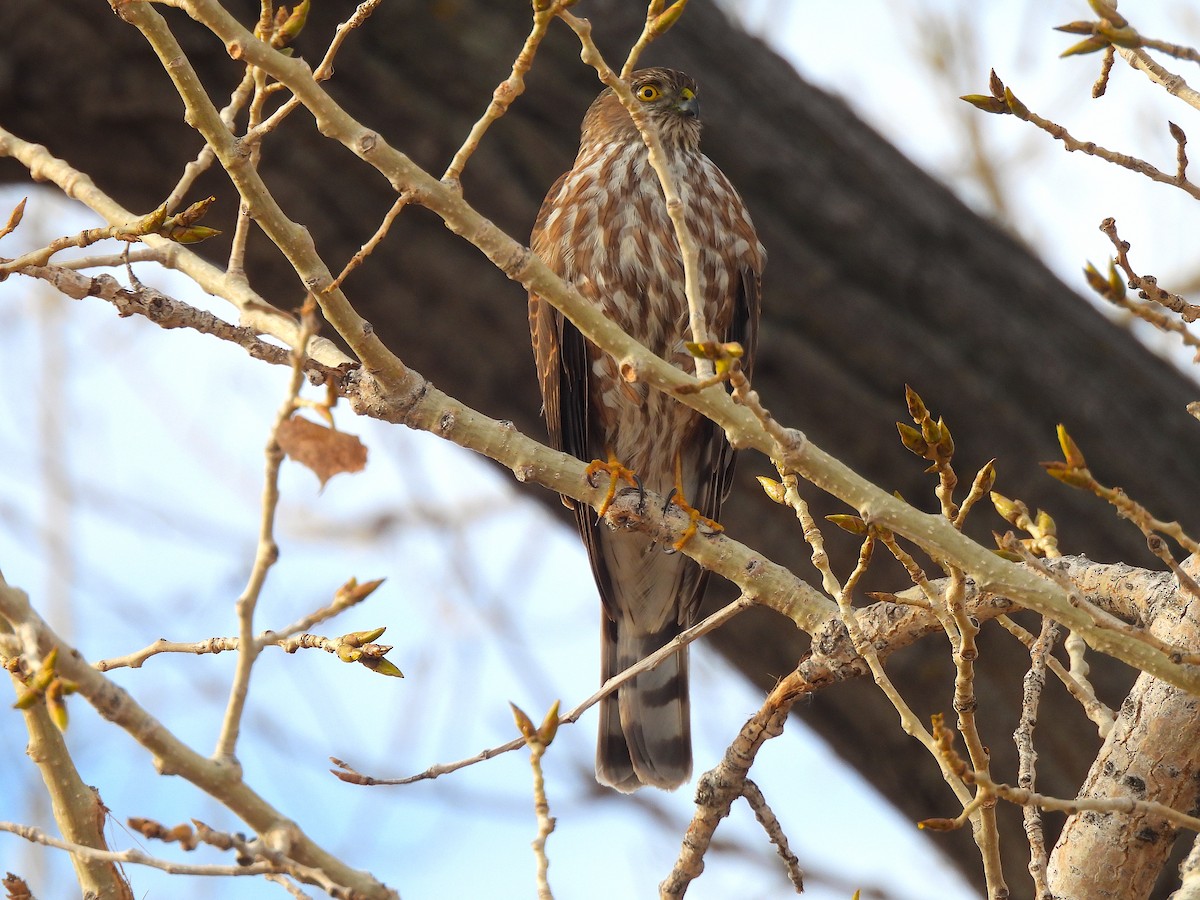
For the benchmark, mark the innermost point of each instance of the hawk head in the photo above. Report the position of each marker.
(669, 100)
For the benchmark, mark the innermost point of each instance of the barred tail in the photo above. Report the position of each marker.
(645, 727)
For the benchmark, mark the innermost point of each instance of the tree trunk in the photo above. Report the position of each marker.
(1151, 753)
(877, 276)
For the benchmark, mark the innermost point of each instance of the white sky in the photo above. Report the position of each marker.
(130, 514)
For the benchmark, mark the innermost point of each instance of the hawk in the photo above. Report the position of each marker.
(604, 228)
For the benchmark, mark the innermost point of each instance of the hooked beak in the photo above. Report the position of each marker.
(689, 106)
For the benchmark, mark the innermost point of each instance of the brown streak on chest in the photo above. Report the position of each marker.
(618, 245)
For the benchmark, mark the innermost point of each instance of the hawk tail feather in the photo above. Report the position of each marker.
(645, 730)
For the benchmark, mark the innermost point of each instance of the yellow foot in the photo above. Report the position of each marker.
(616, 473)
(695, 517)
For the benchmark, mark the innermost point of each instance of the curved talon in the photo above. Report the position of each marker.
(695, 517)
(641, 493)
(616, 472)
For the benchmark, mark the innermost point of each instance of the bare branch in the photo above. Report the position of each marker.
(77, 808)
(1147, 285)
(134, 857)
(172, 756)
(256, 313)
(766, 818)
(1035, 680)
(1172, 83)
(266, 553)
(939, 537)
(711, 623)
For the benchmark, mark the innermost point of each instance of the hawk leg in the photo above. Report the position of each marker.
(616, 473)
(695, 517)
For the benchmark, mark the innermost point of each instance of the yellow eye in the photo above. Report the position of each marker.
(648, 93)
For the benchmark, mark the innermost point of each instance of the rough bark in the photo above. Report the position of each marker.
(877, 276)
(1152, 753)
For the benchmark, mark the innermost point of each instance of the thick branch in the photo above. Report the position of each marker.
(932, 532)
(1152, 753)
(76, 806)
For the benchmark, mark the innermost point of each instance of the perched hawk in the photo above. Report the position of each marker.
(604, 227)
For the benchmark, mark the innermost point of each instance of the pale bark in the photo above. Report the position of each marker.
(1152, 753)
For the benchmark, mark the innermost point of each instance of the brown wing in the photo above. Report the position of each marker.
(561, 354)
(720, 456)
(543, 326)
(744, 330)
(558, 348)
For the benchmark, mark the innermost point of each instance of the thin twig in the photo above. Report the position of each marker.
(112, 260)
(1083, 692)
(374, 241)
(255, 311)
(1172, 83)
(267, 551)
(348, 595)
(1147, 285)
(538, 740)
(505, 93)
(788, 438)
(766, 818)
(252, 154)
(932, 596)
(545, 821)
(322, 72)
(653, 9)
(134, 857)
(215, 645)
(1013, 106)
(982, 484)
(1034, 682)
(716, 620)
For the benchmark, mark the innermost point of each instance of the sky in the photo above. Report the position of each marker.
(128, 510)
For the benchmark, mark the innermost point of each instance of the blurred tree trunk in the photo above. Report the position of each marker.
(877, 276)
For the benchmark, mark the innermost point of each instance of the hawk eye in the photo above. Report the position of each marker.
(648, 93)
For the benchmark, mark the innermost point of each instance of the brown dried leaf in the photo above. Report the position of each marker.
(325, 451)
